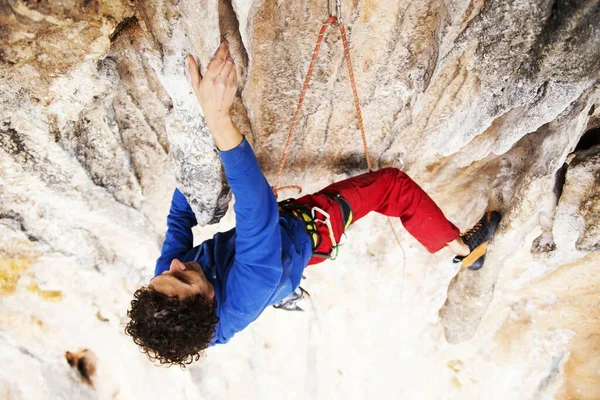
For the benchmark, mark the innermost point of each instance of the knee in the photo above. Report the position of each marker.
(395, 177)
(393, 173)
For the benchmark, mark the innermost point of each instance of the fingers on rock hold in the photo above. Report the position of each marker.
(195, 75)
(232, 75)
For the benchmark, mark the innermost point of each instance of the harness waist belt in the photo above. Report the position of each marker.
(303, 212)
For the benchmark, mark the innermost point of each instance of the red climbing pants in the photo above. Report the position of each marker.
(389, 192)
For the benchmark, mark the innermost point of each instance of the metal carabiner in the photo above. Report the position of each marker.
(335, 10)
(327, 222)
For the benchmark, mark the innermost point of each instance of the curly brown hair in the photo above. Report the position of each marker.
(170, 330)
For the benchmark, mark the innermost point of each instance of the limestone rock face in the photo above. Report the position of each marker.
(483, 103)
(579, 204)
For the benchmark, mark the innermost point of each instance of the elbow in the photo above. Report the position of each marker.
(256, 281)
(270, 274)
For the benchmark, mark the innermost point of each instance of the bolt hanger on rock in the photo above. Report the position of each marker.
(335, 10)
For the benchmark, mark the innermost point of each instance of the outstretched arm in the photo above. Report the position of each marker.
(179, 238)
(257, 269)
(215, 93)
(257, 266)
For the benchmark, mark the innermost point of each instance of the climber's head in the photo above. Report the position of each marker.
(173, 319)
(183, 280)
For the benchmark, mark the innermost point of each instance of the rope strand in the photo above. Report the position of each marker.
(355, 93)
(326, 24)
(329, 21)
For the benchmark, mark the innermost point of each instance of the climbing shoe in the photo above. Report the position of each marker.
(477, 239)
(295, 301)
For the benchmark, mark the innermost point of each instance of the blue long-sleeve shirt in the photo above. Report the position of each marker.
(252, 266)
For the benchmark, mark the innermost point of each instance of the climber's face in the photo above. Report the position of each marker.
(183, 280)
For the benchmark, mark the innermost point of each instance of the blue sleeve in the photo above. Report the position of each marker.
(179, 238)
(257, 268)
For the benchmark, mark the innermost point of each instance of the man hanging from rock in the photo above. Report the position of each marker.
(201, 296)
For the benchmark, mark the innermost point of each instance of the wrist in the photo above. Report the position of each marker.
(224, 133)
(218, 123)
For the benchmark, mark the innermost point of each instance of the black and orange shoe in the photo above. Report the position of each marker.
(477, 238)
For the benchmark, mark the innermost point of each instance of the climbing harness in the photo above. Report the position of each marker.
(347, 218)
(303, 213)
(327, 222)
(309, 215)
(335, 19)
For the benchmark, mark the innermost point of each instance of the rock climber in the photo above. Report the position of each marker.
(201, 296)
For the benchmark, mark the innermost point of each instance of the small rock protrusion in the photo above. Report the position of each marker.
(85, 361)
(543, 244)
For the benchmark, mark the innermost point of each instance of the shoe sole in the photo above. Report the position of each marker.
(475, 255)
(477, 264)
(470, 261)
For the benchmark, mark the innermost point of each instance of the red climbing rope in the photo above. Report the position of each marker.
(328, 21)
